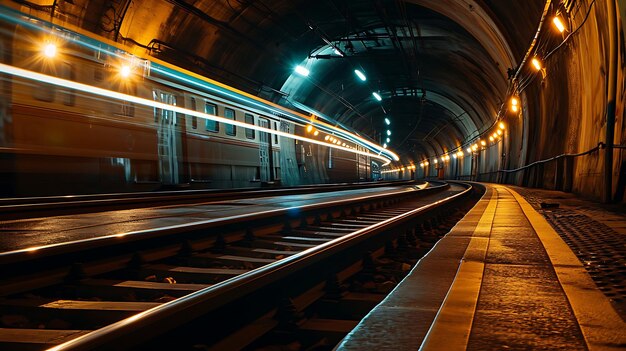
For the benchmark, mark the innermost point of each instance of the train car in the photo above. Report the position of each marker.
(57, 140)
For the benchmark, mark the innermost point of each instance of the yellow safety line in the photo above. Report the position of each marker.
(451, 328)
(602, 327)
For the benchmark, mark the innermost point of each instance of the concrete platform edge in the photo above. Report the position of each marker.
(453, 323)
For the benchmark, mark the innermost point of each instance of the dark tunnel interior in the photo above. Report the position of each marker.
(446, 73)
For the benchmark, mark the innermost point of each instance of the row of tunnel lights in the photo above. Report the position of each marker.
(514, 101)
(50, 51)
(303, 71)
(477, 147)
(514, 106)
(536, 61)
(328, 138)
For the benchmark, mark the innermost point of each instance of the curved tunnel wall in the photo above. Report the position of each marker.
(564, 112)
(567, 111)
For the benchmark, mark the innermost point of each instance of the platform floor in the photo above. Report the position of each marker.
(502, 279)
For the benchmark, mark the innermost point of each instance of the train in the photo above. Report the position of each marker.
(58, 139)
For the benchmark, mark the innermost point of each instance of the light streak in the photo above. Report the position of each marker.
(329, 128)
(83, 38)
(4, 68)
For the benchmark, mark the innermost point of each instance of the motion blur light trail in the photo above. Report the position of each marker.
(4, 68)
(188, 78)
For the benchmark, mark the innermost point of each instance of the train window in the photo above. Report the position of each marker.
(210, 109)
(167, 116)
(127, 108)
(171, 99)
(45, 91)
(275, 135)
(230, 114)
(330, 157)
(250, 120)
(194, 119)
(157, 111)
(98, 74)
(69, 96)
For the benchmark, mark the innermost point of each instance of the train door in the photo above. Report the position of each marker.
(375, 170)
(264, 151)
(167, 138)
(5, 95)
(362, 167)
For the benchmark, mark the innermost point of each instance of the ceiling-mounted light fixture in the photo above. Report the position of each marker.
(387, 121)
(377, 96)
(125, 71)
(49, 50)
(536, 63)
(302, 71)
(514, 103)
(337, 51)
(558, 23)
(360, 74)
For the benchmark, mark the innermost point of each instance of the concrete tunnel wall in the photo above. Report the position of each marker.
(564, 112)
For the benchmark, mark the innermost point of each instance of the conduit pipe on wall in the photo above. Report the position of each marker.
(611, 101)
(529, 52)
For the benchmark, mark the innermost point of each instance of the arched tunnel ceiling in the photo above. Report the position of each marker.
(440, 65)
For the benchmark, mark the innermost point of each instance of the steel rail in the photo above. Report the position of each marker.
(143, 326)
(50, 250)
(20, 207)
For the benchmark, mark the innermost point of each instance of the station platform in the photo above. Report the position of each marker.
(504, 279)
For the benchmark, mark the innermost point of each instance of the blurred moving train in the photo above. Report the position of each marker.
(57, 140)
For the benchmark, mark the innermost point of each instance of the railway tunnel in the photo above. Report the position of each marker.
(446, 75)
(117, 98)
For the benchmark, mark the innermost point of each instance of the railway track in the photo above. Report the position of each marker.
(224, 285)
(28, 207)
